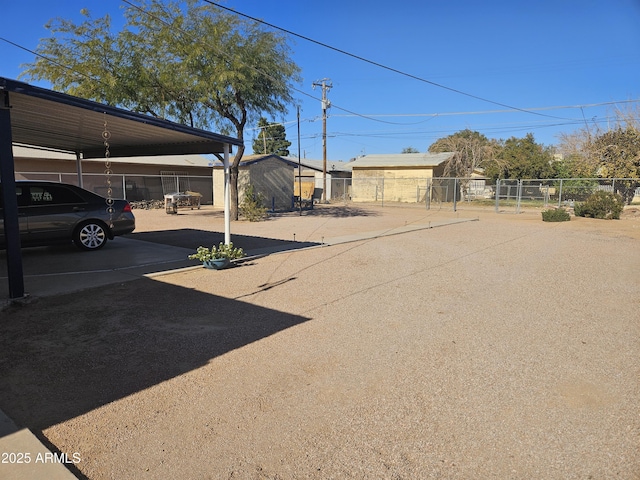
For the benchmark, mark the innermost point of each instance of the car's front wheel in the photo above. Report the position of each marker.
(90, 236)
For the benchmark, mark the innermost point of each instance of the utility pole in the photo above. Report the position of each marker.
(325, 83)
(300, 168)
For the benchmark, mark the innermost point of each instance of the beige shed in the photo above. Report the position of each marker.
(395, 177)
(270, 175)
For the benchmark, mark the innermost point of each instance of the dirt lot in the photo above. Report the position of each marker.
(499, 347)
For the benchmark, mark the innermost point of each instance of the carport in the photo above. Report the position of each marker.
(38, 117)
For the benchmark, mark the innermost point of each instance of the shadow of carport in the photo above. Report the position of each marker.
(65, 269)
(58, 270)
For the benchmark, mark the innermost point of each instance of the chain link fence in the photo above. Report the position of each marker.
(437, 192)
(506, 195)
(516, 195)
(132, 187)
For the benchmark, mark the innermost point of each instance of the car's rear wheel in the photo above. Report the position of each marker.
(90, 236)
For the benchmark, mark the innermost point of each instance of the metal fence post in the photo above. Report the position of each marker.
(546, 195)
(455, 194)
(560, 194)
(497, 195)
(427, 193)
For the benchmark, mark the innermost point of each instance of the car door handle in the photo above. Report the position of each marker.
(78, 209)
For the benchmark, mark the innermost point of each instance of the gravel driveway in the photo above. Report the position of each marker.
(503, 347)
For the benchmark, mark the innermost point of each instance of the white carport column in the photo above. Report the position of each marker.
(227, 196)
(79, 169)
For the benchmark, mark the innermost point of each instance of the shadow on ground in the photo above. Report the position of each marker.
(66, 355)
(337, 211)
(193, 238)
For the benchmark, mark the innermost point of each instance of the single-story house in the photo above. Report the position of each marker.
(133, 178)
(401, 177)
(270, 175)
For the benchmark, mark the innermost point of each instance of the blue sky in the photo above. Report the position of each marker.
(482, 62)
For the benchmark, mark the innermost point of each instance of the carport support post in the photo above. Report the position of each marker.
(79, 169)
(10, 201)
(227, 196)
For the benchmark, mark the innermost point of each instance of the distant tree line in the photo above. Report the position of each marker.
(585, 153)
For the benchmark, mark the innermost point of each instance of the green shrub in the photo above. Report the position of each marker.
(221, 251)
(601, 204)
(252, 207)
(555, 215)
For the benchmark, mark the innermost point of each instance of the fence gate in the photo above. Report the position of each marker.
(175, 182)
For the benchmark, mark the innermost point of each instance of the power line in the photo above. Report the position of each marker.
(66, 67)
(366, 116)
(352, 113)
(486, 112)
(369, 117)
(380, 65)
(71, 69)
(261, 72)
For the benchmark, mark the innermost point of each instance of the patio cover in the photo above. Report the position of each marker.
(39, 117)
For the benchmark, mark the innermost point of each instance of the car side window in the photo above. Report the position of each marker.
(53, 195)
(21, 197)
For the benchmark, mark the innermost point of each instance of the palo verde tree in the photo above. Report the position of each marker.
(185, 61)
(271, 139)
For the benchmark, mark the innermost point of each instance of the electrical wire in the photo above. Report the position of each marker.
(366, 116)
(50, 60)
(349, 112)
(380, 65)
(255, 69)
(486, 112)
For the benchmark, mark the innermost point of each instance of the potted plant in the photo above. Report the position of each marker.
(217, 257)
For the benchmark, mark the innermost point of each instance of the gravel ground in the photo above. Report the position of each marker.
(504, 347)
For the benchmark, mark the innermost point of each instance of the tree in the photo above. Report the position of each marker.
(614, 153)
(186, 62)
(410, 150)
(618, 152)
(576, 161)
(272, 139)
(522, 158)
(471, 151)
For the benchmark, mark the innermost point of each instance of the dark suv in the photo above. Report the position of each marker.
(54, 213)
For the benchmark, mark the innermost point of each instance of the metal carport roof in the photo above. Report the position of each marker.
(55, 120)
(36, 116)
